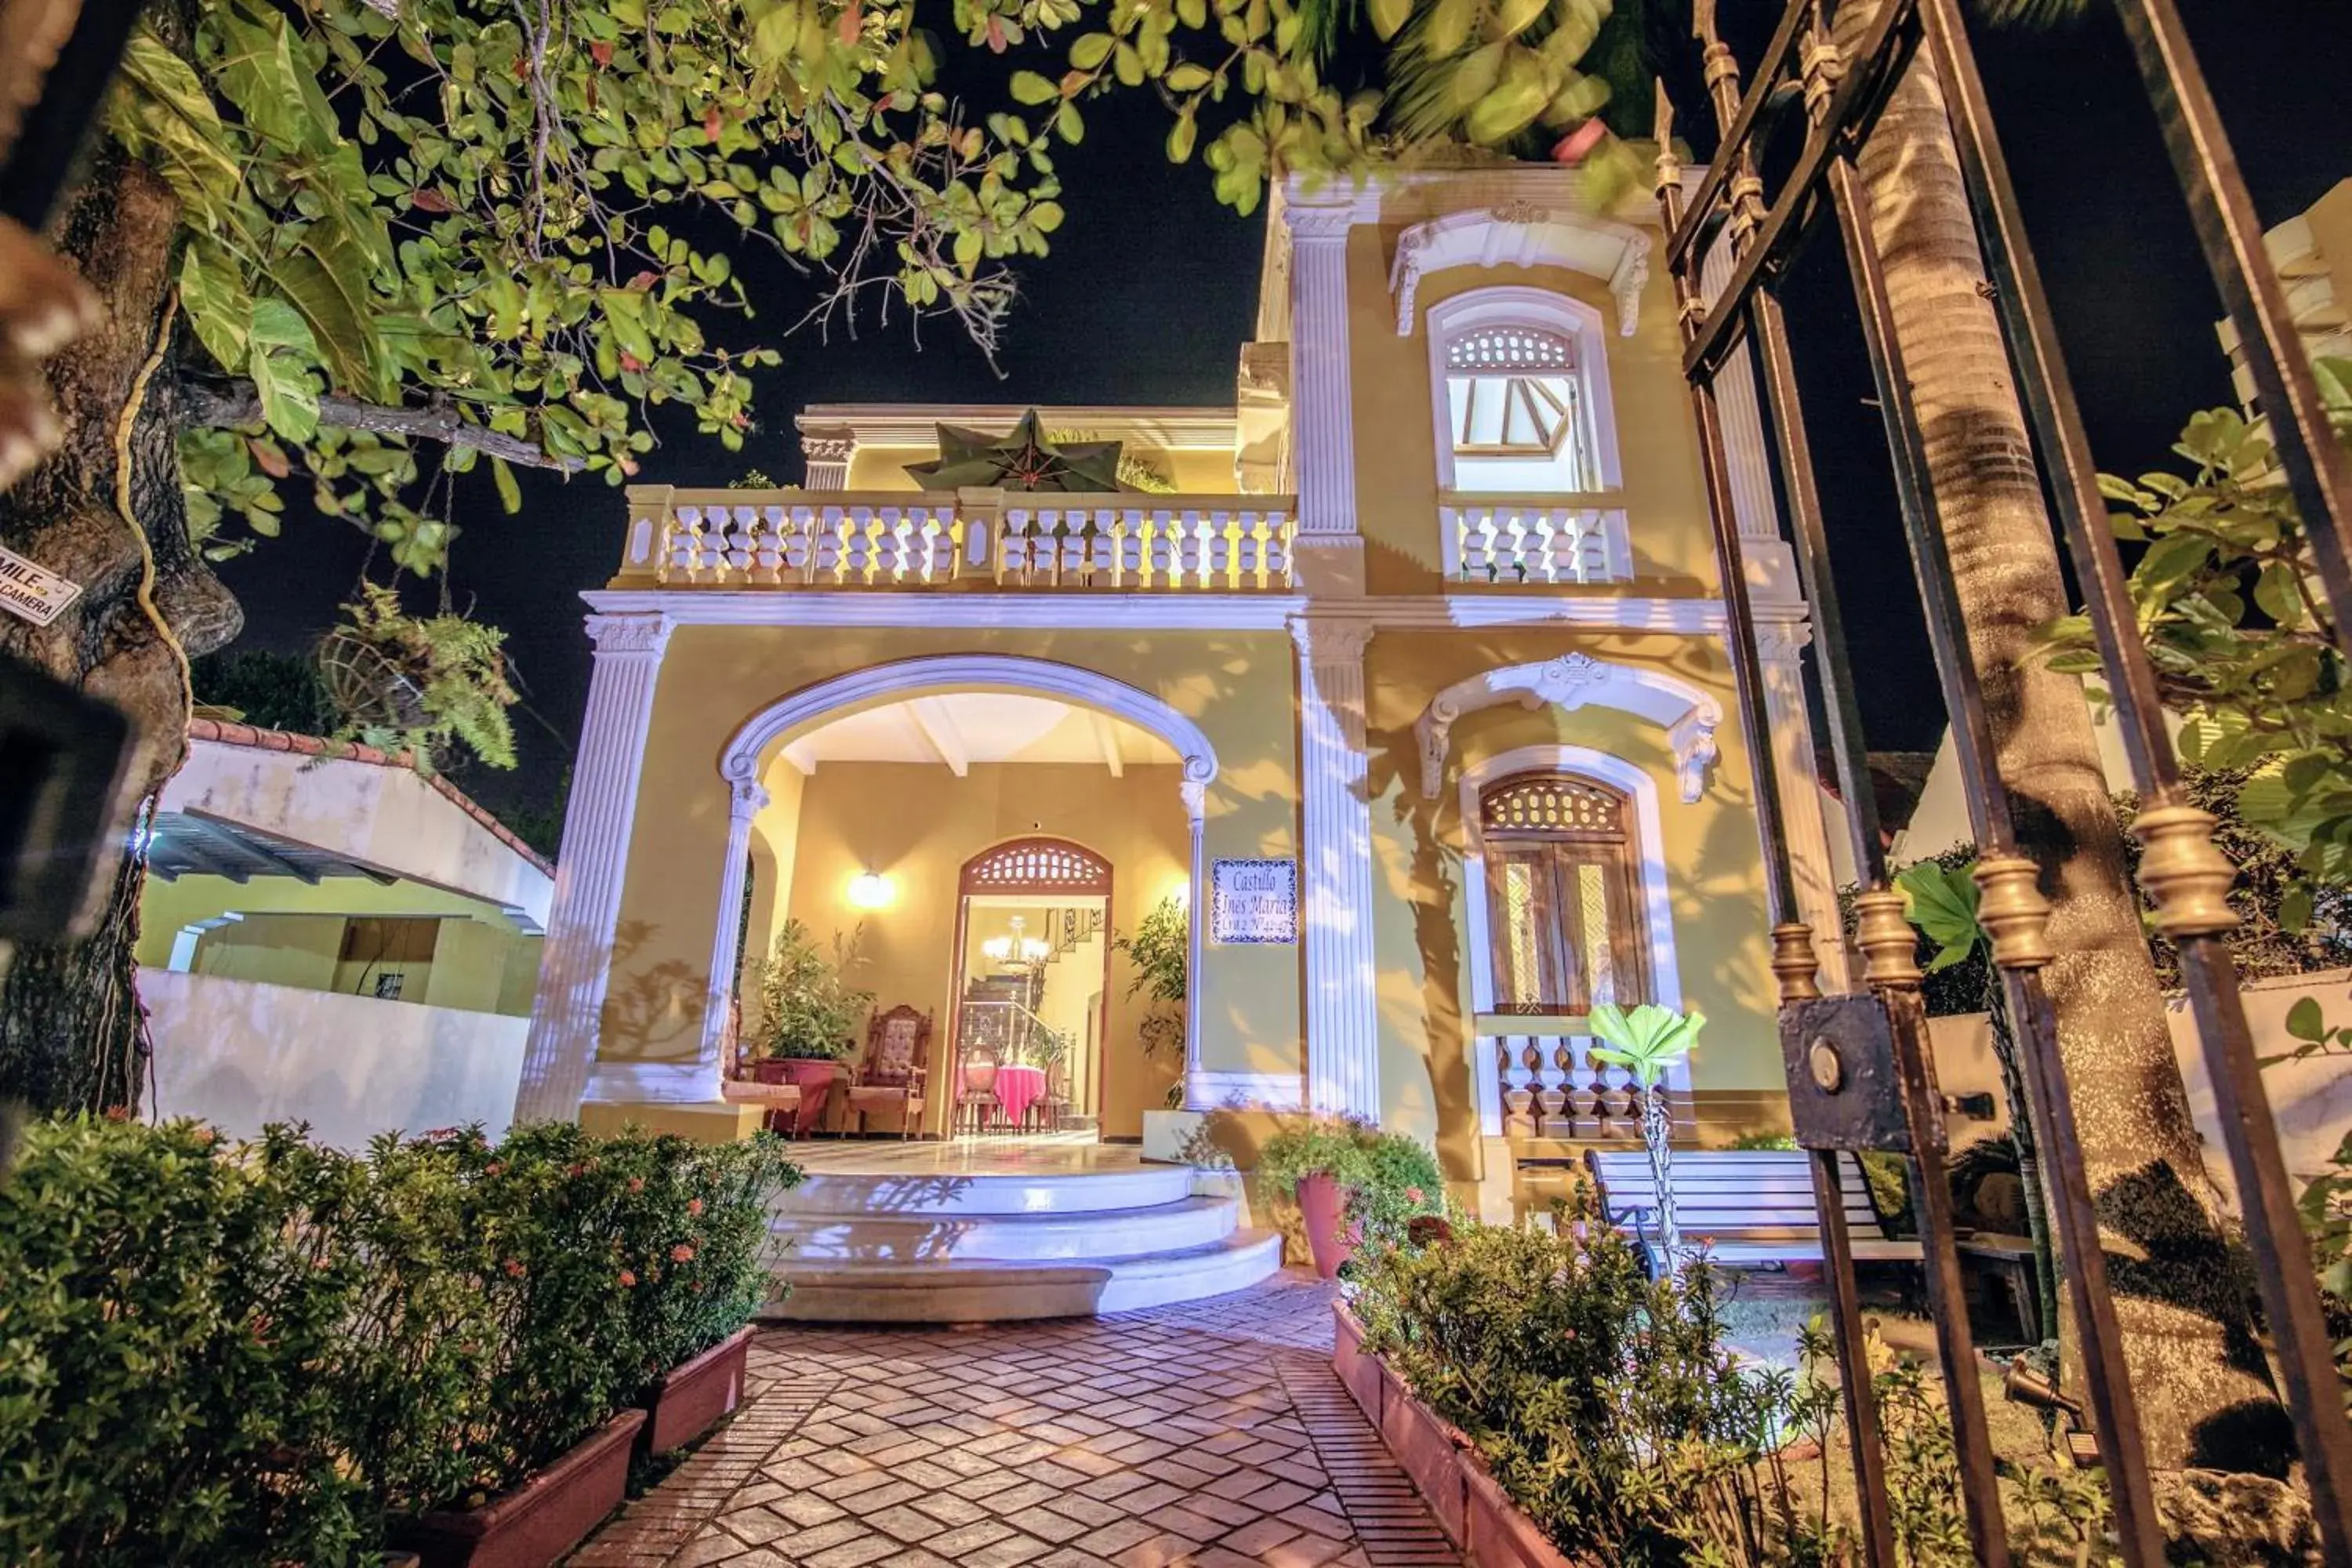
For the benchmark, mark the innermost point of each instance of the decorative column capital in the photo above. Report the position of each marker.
(1330, 639)
(630, 633)
(1311, 221)
(1779, 642)
(746, 800)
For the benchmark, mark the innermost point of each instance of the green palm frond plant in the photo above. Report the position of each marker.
(1647, 1042)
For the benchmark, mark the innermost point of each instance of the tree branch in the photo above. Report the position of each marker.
(235, 403)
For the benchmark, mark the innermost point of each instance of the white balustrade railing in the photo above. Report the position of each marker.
(1091, 542)
(1510, 541)
(749, 539)
(1549, 1086)
(823, 541)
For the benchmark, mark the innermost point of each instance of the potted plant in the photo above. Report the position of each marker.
(1349, 1179)
(1160, 948)
(809, 1015)
(1645, 1043)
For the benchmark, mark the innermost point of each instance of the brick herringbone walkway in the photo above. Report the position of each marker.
(1212, 1434)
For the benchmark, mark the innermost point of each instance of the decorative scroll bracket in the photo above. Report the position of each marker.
(1688, 715)
(1519, 234)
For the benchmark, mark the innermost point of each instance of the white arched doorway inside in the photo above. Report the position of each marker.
(926, 695)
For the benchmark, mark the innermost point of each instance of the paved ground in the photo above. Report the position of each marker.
(1212, 1434)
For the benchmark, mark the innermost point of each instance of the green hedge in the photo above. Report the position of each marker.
(225, 1353)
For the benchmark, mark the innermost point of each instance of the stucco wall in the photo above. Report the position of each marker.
(2311, 1099)
(242, 1054)
(917, 825)
(1237, 686)
(1713, 870)
(1396, 440)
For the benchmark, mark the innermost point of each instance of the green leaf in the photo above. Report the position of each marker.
(1028, 87)
(509, 492)
(1449, 26)
(1068, 125)
(1187, 77)
(287, 403)
(1179, 138)
(2303, 1021)
(219, 310)
(1942, 902)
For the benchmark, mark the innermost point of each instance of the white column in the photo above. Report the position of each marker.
(577, 964)
(1196, 1091)
(1780, 649)
(1342, 1007)
(1780, 638)
(1329, 556)
(746, 799)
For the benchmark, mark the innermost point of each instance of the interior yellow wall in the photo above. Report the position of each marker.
(1715, 875)
(919, 824)
(1236, 686)
(1396, 435)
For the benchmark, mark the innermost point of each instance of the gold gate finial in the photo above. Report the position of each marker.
(1890, 947)
(2011, 907)
(2183, 872)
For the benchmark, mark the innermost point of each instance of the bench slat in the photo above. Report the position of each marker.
(1745, 1206)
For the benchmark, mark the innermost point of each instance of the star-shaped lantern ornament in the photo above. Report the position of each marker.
(1021, 459)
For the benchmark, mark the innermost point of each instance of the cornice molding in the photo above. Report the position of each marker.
(1165, 612)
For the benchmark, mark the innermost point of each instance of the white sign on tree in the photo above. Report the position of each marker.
(1254, 901)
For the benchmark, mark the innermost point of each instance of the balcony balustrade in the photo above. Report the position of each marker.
(904, 539)
(1554, 540)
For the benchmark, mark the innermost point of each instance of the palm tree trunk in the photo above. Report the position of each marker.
(2179, 1286)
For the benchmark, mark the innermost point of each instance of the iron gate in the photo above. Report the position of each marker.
(1860, 1075)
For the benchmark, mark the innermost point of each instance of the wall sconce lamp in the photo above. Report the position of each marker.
(869, 890)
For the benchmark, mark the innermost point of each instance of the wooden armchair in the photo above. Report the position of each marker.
(894, 1067)
(1051, 1111)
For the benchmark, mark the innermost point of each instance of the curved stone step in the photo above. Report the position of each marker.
(984, 1290)
(995, 1191)
(1085, 1234)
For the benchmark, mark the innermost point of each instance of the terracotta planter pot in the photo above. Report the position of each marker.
(1499, 1534)
(694, 1395)
(812, 1076)
(1469, 1505)
(535, 1524)
(1322, 1207)
(1360, 1372)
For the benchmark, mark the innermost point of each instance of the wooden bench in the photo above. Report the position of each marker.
(1752, 1208)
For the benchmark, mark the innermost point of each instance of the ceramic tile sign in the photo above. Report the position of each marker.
(31, 592)
(1254, 901)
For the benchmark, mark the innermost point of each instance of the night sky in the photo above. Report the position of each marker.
(1152, 288)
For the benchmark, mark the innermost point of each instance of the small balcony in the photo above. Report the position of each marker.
(970, 539)
(1534, 539)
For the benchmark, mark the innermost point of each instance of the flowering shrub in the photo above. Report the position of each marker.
(1606, 1403)
(1389, 1177)
(256, 1353)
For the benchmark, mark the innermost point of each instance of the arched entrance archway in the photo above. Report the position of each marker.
(742, 762)
(1031, 975)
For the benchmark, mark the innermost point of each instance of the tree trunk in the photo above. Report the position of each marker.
(2181, 1291)
(71, 1032)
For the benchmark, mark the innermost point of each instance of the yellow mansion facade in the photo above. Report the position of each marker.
(1406, 680)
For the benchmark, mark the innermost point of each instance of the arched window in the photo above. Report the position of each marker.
(1521, 381)
(1565, 919)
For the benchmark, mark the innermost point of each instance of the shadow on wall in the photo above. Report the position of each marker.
(656, 1010)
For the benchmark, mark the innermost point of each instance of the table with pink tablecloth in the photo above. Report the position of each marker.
(1017, 1088)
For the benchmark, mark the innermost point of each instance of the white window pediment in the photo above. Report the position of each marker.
(1688, 715)
(1519, 234)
